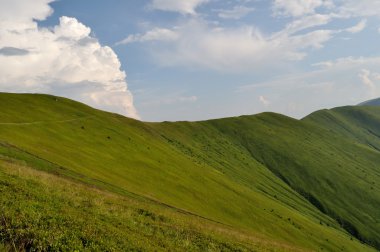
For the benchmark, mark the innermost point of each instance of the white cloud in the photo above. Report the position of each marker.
(345, 81)
(370, 81)
(181, 6)
(264, 101)
(202, 44)
(359, 27)
(334, 8)
(306, 22)
(197, 42)
(157, 34)
(365, 77)
(350, 63)
(64, 60)
(297, 8)
(362, 8)
(236, 12)
(19, 14)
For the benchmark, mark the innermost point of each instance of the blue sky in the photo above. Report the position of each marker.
(195, 59)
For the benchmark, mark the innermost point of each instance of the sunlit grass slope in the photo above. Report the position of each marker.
(40, 211)
(250, 173)
(360, 124)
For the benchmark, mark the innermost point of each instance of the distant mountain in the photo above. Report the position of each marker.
(374, 102)
(76, 178)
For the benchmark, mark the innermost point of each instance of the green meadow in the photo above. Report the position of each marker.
(76, 178)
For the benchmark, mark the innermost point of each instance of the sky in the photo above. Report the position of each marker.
(170, 60)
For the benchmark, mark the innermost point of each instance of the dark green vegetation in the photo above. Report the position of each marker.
(374, 102)
(264, 182)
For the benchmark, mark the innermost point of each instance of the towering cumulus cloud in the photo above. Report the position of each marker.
(64, 60)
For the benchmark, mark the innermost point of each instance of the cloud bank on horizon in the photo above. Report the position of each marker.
(233, 57)
(64, 60)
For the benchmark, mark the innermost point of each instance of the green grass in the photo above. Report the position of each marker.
(267, 176)
(360, 124)
(46, 212)
(360, 127)
(339, 176)
(336, 175)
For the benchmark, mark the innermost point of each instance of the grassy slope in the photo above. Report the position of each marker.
(205, 168)
(35, 206)
(339, 176)
(361, 124)
(335, 174)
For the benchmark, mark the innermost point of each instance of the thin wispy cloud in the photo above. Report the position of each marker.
(183, 7)
(359, 27)
(236, 12)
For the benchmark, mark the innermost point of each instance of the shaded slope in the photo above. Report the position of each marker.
(216, 169)
(374, 102)
(337, 175)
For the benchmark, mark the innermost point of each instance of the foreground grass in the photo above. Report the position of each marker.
(45, 212)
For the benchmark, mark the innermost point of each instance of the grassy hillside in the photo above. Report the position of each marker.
(271, 178)
(46, 212)
(361, 124)
(338, 176)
